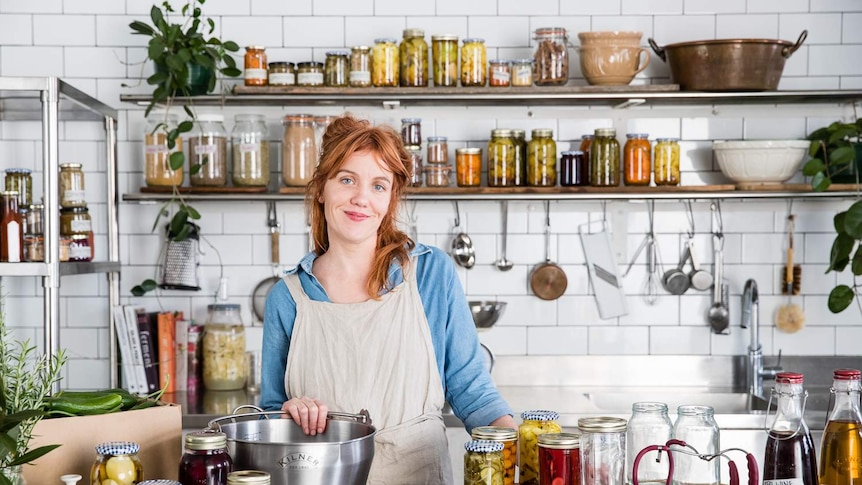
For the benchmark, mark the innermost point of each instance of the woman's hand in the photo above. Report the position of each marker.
(505, 421)
(307, 412)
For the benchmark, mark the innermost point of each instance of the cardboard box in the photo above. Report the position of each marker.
(158, 430)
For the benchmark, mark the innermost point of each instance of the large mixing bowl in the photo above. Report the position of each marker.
(486, 313)
(760, 161)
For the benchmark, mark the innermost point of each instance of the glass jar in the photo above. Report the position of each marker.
(649, 425)
(520, 137)
(416, 170)
(413, 57)
(468, 165)
(320, 125)
(411, 131)
(603, 450)
(790, 455)
(637, 165)
(696, 426)
(222, 403)
(534, 423)
(309, 74)
(336, 68)
(75, 221)
(473, 60)
(444, 58)
(438, 149)
(158, 481)
(11, 229)
(205, 459)
(502, 158)
(509, 438)
(841, 445)
(574, 168)
(499, 73)
(249, 477)
(34, 248)
(483, 463)
(255, 66)
(20, 180)
(81, 247)
(208, 151)
(605, 159)
(359, 75)
(250, 151)
(299, 150)
(224, 348)
(117, 462)
(522, 72)
(666, 161)
(384, 63)
(542, 159)
(559, 459)
(34, 220)
(551, 56)
(157, 153)
(65, 242)
(437, 175)
(72, 185)
(282, 74)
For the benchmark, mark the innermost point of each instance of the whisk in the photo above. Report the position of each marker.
(649, 243)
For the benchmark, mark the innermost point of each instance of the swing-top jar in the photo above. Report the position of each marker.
(790, 456)
(224, 348)
(117, 462)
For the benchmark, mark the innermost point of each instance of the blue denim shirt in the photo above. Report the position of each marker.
(466, 384)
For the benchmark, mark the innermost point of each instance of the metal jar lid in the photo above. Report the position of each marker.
(501, 133)
(543, 132)
(602, 424)
(494, 433)
(413, 33)
(249, 477)
(540, 415)
(468, 151)
(483, 446)
(70, 166)
(560, 441)
(206, 440)
(444, 38)
(606, 132)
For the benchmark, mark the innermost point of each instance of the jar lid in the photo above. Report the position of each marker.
(559, 441)
(338, 52)
(602, 424)
(161, 115)
(789, 378)
(281, 64)
(248, 477)
(444, 37)
(222, 307)
(437, 139)
(587, 137)
(667, 140)
(501, 133)
(468, 151)
(117, 448)
(74, 210)
(360, 48)
(550, 31)
(308, 64)
(206, 440)
(413, 148)
(498, 61)
(606, 132)
(571, 153)
(543, 132)
(695, 410)
(413, 33)
(255, 48)
(249, 117)
(474, 40)
(210, 118)
(846, 375)
(637, 135)
(519, 133)
(72, 166)
(159, 482)
(522, 61)
(483, 446)
(298, 118)
(384, 40)
(37, 207)
(9, 193)
(25, 171)
(494, 433)
(411, 120)
(540, 415)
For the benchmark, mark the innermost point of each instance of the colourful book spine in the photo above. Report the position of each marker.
(181, 374)
(167, 351)
(147, 325)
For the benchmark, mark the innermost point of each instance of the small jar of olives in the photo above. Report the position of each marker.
(118, 462)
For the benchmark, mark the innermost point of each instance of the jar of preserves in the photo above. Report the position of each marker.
(282, 74)
(520, 137)
(542, 159)
(605, 159)
(20, 180)
(603, 450)
(208, 151)
(444, 59)
(411, 131)
(249, 477)
(416, 170)
(438, 149)
(697, 427)
(473, 61)
(255, 66)
(666, 161)
(81, 247)
(205, 459)
(509, 438)
(117, 462)
(384, 63)
(559, 459)
(224, 348)
(250, 151)
(157, 152)
(336, 68)
(483, 463)
(499, 73)
(648, 425)
(72, 185)
(299, 150)
(522, 72)
(75, 221)
(413, 57)
(468, 165)
(535, 423)
(502, 159)
(574, 168)
(551, 56)
(359, 75)
(437, 175)
(11, 229)
(637, 165)
(309, 74)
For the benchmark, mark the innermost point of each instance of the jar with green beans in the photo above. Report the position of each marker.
(520, 137)
(336, 68)
(605, 158)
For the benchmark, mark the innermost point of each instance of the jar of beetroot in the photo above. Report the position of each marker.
(205, 459)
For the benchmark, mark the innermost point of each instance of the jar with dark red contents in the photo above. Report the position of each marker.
(574, 169)
(205, 459)
(559, 459)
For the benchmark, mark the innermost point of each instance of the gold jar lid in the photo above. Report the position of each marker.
(206, 440)
(413, 33)
(248, 477)
(494, 433)
(444, 38)
(543, 132)
(606, 132)
(560, 441)
(70, 166)
(602, 424)
(468, 151)
(501, 133)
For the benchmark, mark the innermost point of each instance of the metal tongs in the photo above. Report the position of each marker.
(753, 472)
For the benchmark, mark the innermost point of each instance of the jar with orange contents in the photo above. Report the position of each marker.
(468, 164)
(255, 66)
(509, 438)
(637, 163)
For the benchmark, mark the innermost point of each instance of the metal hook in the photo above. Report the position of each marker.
(457, 215)
(689, 213)
(271, 216)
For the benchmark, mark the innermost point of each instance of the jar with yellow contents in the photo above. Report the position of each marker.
(413, 57)
(535, 423)
(117, 462)
(444, 58)
(384, 63)
(542, 159)
(502, 159)
(509, 438)
(666, 161)
(483, 463)
(474, 58)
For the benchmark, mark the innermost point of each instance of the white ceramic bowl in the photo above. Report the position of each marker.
(760, 161)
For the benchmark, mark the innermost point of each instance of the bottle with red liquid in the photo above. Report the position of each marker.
(205, 460)
(841, 446)
(790, 457)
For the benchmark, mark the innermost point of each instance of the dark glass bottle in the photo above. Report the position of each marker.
(841, 446)
(790, 455)
(205, 460)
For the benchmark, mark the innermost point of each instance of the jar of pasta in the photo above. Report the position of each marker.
(299, 150)
(499, 73)
(637, 166)
(335, 68)
(255, 66)
(542, 159)
(359, 75)
(250, 151)
(208, 151)
(413, 57)
(468, 165)
(224, 348)
(282, 74)
(444, 58)
(483, 463)
(522, 72)
(551, 56)
(309, 74)
(535, 423)
(667, 161)
(384, 63)
(502, 158)
(605, 158)
(473, 60)
(509, 438)
(158, 171)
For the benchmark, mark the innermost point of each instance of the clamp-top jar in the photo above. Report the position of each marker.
(224, 348)
(117, 462)
(551, 56)
(205, 460)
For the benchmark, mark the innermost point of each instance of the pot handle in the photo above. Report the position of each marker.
(789, 50)
(658, 50)
(362, 418)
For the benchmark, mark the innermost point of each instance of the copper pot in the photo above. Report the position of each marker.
(728, 64)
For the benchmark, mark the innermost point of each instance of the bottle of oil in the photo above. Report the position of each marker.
(790, 456)
(841, 447)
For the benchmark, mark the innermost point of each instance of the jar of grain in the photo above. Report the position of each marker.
(158, 152)
(250, 151)
(299, 151)
(208, 151)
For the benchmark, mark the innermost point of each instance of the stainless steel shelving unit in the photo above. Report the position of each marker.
(51, 100)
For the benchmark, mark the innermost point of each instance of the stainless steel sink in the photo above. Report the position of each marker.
(723, 402)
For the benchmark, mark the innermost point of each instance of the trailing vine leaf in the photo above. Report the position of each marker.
(840, 254)
(853, 221)
(840, 298)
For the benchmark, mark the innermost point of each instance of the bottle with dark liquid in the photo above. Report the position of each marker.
(790, 457)
(841, 447)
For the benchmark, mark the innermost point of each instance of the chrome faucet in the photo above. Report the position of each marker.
(751, 318)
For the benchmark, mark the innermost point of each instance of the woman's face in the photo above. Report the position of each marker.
(356, 200)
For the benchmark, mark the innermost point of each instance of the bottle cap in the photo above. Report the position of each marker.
(846, 375)
(788, 378)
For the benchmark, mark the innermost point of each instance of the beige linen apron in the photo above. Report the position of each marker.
(375, 355)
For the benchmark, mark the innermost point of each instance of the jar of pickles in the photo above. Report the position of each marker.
(444, 59)
(282, 74)
(117, 462)
(299, 151)
(522, 72)
(605, 159)
(509, 438)
(502, 153)
(438, 150)
(72, 185)
(666, 161)
(559, 459)
(208, 151)
(20, 180)
(250, 151)
(385, 63)
(603, 450)
(255, 73)
(637, 166)
(413, 58)
(416, 171)
(157, 153)
(224, 348)
(542, 159)
(520, 137)
(574, 168)
(499, 73)
(75, 221)
(551, 56)
(205, 458)
(309, 74)
(359, 75)
(474, 57)
(535, 423)
(483, 463)
(336, 68)
(468, 165)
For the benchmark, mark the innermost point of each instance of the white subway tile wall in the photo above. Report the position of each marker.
(89, 43)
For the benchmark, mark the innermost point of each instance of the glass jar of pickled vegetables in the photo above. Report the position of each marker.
(542, 159)
(20, 180)
(205, 458)
(574, 168)
(117, 462)
(416, 171)
(208, 151)
(559, 459)
(250, 151)
(502, 153)
(299, 150)
(224, 348)
(282, 74)
(605, 158)
(522, 72)
(468, 165)
(509, 438)
(75, 221)
(551, 56)
(474, 57)
(438, 150)
(444, 59)
(157, 153)
(603, 450)
(499, 73)
(385, 63)
(335, 68)
(309, 74)
(413, 58)
(520, 137)
(359, 75)
(483, 463)
(637, 166)
(666, 161)
(72, 185)
(535, 423)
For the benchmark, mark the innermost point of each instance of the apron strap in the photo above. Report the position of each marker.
(294, 286)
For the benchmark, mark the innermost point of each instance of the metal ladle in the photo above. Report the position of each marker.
(504, 264)
(462, 245)
(718, 315)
